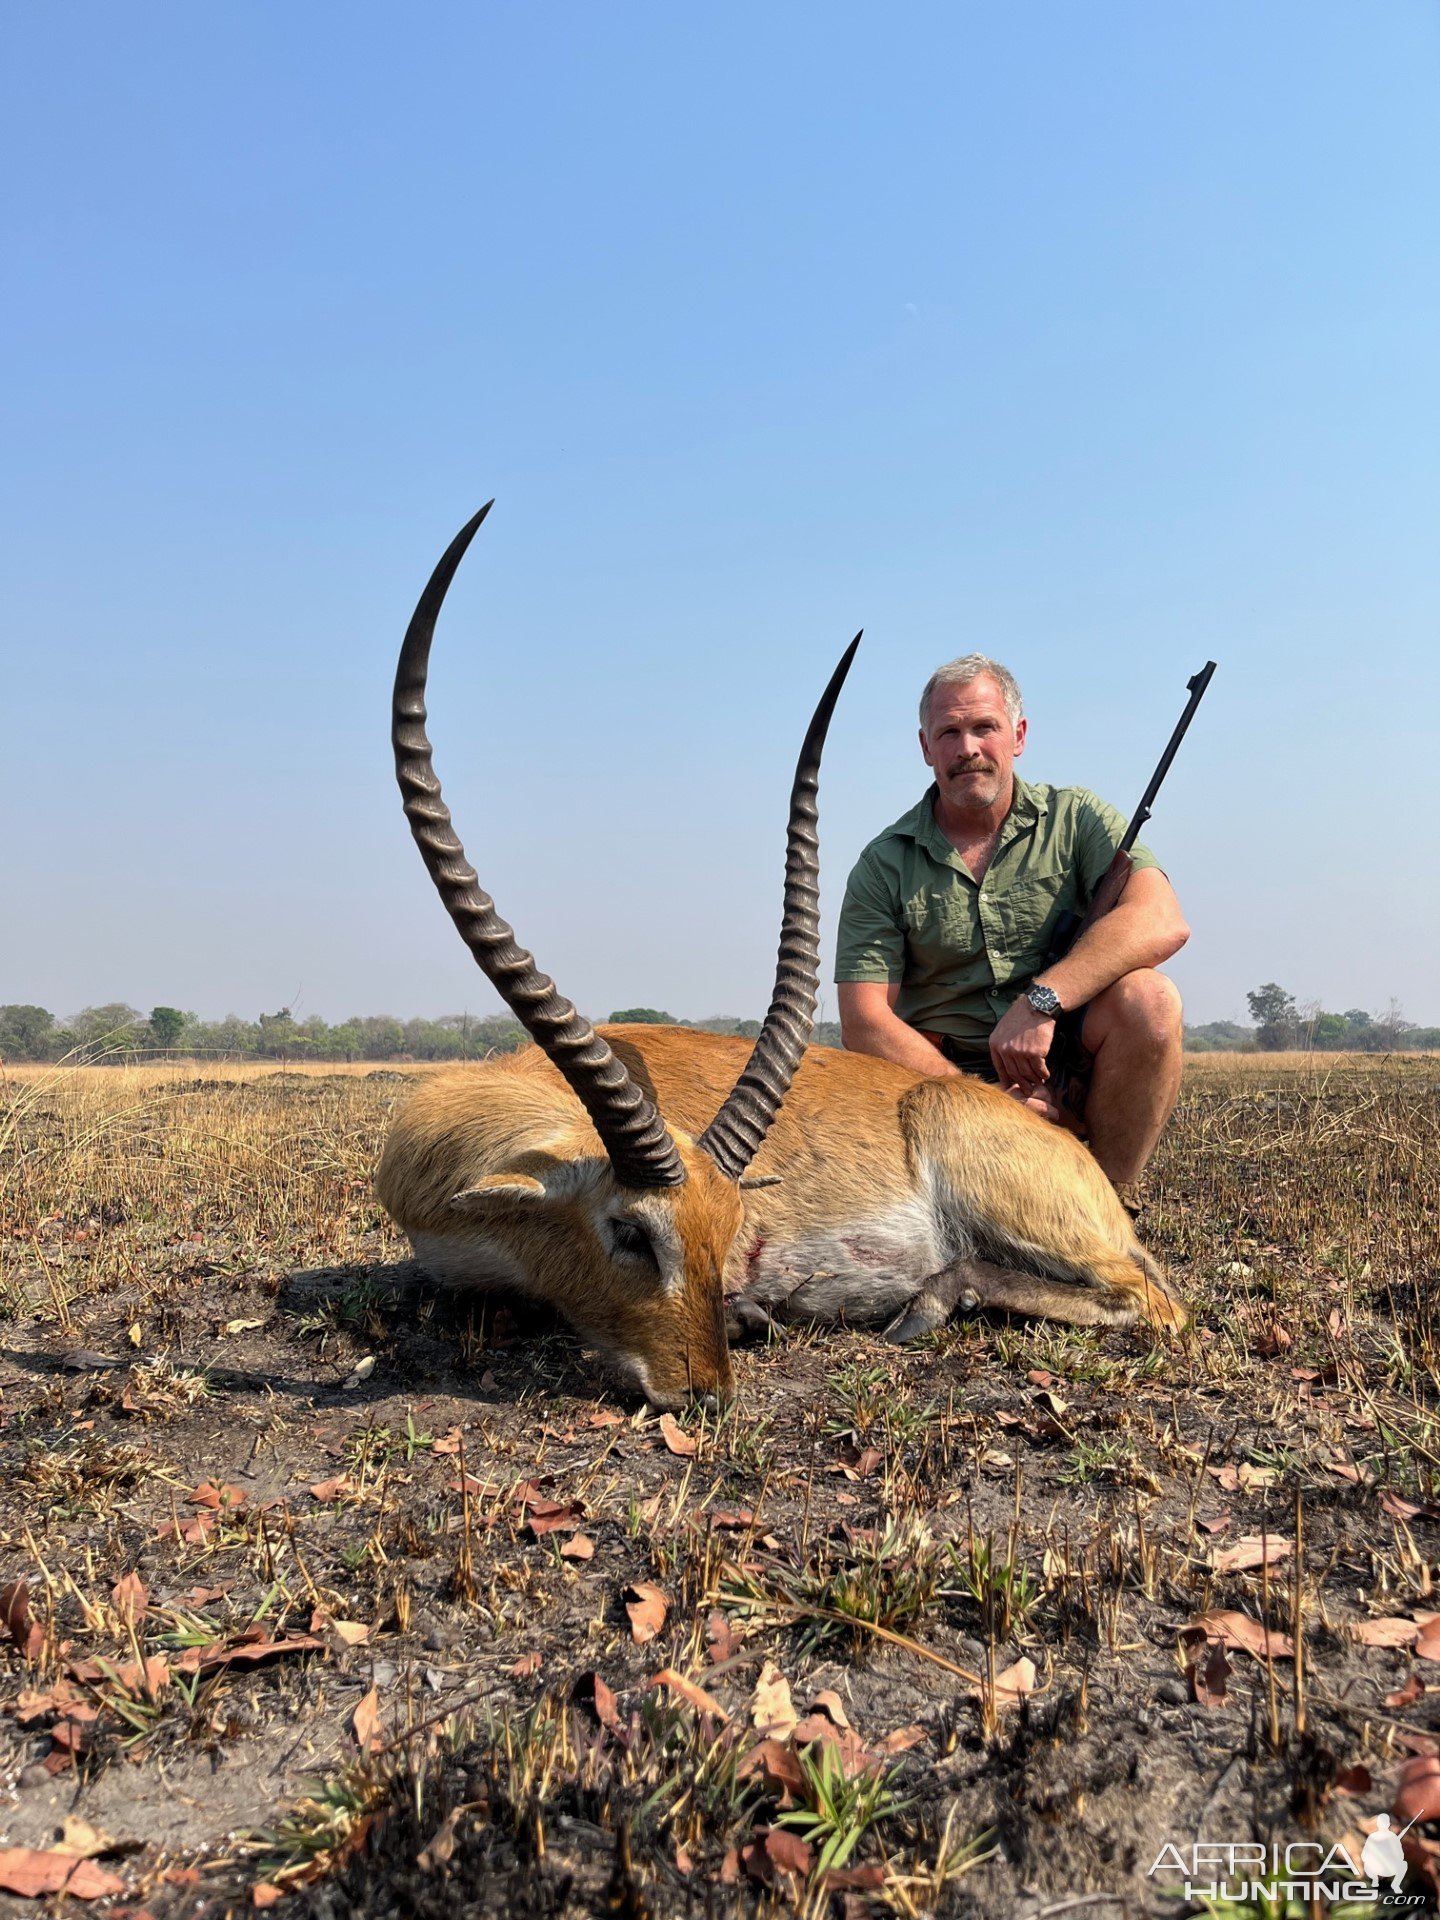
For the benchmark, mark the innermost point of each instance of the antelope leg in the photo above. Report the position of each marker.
(970, 1285)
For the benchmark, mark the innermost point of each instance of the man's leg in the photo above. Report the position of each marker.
(1135, 1033)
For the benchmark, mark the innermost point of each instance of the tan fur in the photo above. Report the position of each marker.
(897, 1195)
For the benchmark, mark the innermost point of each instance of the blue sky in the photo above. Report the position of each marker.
(1100, 338)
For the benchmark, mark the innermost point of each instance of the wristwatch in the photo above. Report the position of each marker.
(1044, 1000)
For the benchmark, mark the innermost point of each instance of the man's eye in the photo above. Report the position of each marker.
(627, 1237)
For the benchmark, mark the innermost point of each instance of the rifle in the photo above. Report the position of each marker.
(1066, 1061)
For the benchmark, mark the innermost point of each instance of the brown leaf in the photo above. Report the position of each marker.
(527, 1664)
(129, 1598)
(1389, 1632)
(1354, 1780)
(772, 1709)
(1252, 1551)
(437, 1851)
(1012, 1686)
(265, 1894)
(202, 1596)
(30, 1872)
(1235, 1630)
(1417, 1795)
(246, 1652)
(553, 1516)
(721, 1639)
(647, 1607)
(16, 1618)
(675, 1682)
(450, 1442)
(350, 1633)
(1208, 1676)
(903, 1738)
(828, 1702)
(365, 1723)
(675, 1437)
(1427, 1644)
(1218, 1525)
(342, 1487)
(732, 1517)
(787, 1852)
(778, 1766)
(82, 1841)
(207, 1494)
(606, 1417)
(578, 1547)
(592, 1691)
(1406, 1696)
(854, 1880)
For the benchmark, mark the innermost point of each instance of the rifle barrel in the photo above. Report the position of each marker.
(1196, 687)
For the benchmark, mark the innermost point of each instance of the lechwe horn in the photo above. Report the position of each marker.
(734, 1135)
(635, 1137)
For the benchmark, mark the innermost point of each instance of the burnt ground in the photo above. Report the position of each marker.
(324, 1586)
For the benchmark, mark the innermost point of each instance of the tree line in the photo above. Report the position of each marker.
(117, 1033)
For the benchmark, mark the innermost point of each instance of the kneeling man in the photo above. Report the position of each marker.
(951, 911)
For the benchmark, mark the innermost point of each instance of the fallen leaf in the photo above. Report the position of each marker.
(527, 1664)
(1252, 1551)
(1236, 1630)
(903, 1738)
(246, 1652)
(828, 1702)
(1388, 1632)
(772, 1709)
(202, 1596)
(854, 1880)
(365, 1723)
(242, 1326)
(553, 1516)
(265, 1894)
(1013, 1685)
(1417, 1793)
(592, 1691)
(1406, 1696)
(787, 1852)
(441, 1845)
(207, 1494)
(129, 1598)
(732, 1517)
(1427, 1644)
(1208, 1676)
(351, 1633)
(1354, 1780)
(675, 1437)
(447, 1443)
(362, 1372)
(778, 1766)
(1218, 1525)
(578, 1547)
(606, 1417)
(721, 1639)
(82, 1841)
(675, 1682)
(31, 1871)
(16, 1618)
(340, 1488)
(647, 1606)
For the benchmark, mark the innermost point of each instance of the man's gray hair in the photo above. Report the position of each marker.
(974, 666)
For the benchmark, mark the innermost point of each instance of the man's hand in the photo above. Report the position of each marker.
(1019, 1046)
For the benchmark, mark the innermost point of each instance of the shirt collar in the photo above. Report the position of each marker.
(1026, 807)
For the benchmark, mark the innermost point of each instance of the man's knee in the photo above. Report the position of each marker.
(1144, 1004)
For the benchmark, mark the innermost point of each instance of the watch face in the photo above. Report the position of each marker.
(1044, 999)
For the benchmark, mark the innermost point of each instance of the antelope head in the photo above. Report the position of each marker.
(622, 1224)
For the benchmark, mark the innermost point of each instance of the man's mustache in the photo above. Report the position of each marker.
(970, 766)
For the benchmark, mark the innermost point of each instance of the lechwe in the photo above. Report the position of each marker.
(653, 1183)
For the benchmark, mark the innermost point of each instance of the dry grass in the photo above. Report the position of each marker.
(875, 1523)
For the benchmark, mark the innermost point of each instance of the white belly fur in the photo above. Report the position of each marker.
(859, 1272)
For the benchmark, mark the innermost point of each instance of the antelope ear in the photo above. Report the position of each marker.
(497, 1189)
(748, 1181)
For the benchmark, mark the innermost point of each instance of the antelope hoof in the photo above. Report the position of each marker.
(746, 1320)
(924, 1315)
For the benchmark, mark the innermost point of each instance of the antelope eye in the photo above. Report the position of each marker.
(626, 1236)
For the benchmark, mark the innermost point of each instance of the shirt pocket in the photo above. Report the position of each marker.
(1034, 906)
(943, 936)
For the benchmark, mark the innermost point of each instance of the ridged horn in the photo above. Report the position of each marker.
(635, 1137)
(734, 1135)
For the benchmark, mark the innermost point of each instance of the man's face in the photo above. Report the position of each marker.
(969, 740)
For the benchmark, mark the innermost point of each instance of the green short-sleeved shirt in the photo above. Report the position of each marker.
(963, 952)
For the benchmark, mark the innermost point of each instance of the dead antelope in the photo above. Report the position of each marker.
(653, 1183)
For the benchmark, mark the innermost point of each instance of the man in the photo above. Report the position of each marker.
(949, 914)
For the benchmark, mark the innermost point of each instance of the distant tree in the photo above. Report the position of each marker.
(642, 1017)
(1330, 1031)
(26, 1033)
(166, 1026)
(1391, 1026)
(113, 1029)
(1274, 1013)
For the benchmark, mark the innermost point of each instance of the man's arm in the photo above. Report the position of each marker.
(869, 1024)
(1144, 929)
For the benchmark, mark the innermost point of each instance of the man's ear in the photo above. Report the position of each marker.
(1022, 727)
(925, 748)
(498, 1190)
